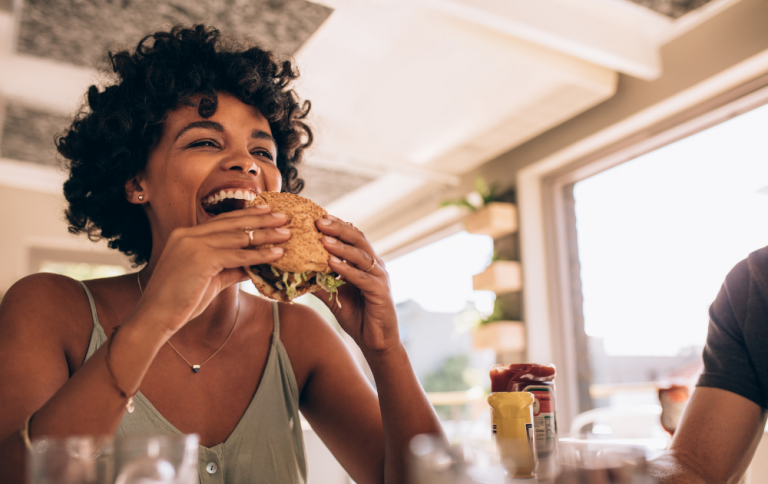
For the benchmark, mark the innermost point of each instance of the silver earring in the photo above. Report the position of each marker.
(141, 198)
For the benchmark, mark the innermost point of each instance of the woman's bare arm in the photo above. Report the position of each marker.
(715, 442)
(35, 318)
(367, 313)
(367, 433)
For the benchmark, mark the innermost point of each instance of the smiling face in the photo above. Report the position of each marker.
(201, 167)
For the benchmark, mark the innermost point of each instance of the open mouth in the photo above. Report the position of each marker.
(227, 200)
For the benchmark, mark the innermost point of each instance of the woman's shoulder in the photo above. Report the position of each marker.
(44, 289)
(308, 338)
(304, 323)
(44, 303)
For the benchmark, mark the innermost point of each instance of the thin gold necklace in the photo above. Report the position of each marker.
(196, 368)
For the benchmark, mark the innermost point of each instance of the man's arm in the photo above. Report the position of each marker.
(715, 441)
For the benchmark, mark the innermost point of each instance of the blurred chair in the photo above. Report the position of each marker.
(631, 425)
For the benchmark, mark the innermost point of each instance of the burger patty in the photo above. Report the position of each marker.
(265, 272)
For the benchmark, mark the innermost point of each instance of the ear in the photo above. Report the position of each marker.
(134, 190)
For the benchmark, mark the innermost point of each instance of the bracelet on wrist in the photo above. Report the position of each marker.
(129, 403)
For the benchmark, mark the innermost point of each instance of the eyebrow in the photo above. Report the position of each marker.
(258, 134)
(255, 134)
(201, 124)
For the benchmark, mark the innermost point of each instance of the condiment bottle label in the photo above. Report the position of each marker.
(544, 423)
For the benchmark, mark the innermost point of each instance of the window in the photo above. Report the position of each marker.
(77, 264)
(81, 270)
(437, 311)
(656, 237)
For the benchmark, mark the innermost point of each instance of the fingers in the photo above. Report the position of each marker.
(241, 239)
(368, 282)
(257, 217)
(234, 258)
(361, 259)
(330, 225)
(355, 265)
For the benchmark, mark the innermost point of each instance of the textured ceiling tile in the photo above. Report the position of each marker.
(28, 134)
(323, 186)
(81, 31)
(672, 8)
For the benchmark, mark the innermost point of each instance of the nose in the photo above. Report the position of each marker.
(242, 162)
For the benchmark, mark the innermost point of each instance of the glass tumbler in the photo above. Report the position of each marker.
(599, 462)
(71, 460)
(158, 459)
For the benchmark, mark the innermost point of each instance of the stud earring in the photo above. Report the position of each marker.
(141, 198)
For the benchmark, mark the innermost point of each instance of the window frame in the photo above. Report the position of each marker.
(547, 223)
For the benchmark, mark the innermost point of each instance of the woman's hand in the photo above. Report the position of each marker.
(198, 262)
(367, 311)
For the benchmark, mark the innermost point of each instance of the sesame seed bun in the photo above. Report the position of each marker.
(303, 251)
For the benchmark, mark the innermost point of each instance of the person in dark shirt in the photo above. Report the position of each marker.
(726, 415)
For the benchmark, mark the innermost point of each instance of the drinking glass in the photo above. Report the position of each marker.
(71, 460)
(158, 459)
(599, 462)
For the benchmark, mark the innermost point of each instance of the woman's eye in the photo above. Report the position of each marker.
(203, 143)
(264, 153)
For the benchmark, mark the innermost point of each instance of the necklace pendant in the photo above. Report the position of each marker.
(195, 368)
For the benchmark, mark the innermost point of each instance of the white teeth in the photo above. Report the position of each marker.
(235, 193)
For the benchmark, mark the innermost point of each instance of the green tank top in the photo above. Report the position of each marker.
(267, 445)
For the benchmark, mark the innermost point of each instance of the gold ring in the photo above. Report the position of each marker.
(372, 265)
(249, 231)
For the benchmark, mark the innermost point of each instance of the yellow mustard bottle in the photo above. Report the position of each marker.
(512, 421)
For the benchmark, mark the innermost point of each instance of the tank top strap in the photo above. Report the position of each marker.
(94, 315)
(98, 336)
(275, 321)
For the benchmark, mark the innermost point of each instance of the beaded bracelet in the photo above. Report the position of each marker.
(129, 404)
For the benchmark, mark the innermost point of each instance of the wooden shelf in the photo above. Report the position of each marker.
(496, 219)
(501, 277)
(500, 336)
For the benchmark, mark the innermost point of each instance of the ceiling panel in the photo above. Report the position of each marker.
(81, 32)
(672, 8)
(28, 134)
(324, 186)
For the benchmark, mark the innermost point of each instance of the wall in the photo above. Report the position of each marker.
(36, 219)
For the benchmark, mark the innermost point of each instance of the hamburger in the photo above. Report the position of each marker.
(303, 268)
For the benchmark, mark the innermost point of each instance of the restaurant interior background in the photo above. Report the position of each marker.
(624, 145)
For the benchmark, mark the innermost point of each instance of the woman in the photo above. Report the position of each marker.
(188, 116)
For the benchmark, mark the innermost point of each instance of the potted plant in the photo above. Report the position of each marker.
(488, 215)
(501, 277)
(499, 335)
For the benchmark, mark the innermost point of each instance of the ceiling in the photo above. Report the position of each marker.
(408, 95)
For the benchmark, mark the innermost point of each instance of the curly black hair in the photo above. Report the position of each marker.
(109, 141)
